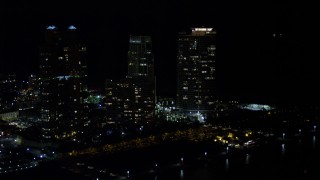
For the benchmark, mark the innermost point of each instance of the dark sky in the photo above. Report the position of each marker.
(264, 50)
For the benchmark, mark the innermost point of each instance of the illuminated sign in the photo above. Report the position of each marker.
(202, 29)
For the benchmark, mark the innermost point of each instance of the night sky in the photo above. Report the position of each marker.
(266, 51)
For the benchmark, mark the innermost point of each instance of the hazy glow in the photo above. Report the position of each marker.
(247, 159)
(135, 41)
(283, 148)
(63, 77)
(72, 27)
(256, 107)
(51, 27)
(227, 163)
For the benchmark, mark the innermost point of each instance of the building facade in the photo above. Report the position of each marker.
(196, 71)
(62, 84)
(133, 98)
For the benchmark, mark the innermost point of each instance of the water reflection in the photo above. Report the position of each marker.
(314, 142)
(181, 174)
(128, 174)
(247, 159)
(283, 149)
(227, 164)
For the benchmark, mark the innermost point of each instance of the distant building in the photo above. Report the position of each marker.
(140, 57)
(133, 98)
(29, 93)
(119, 100)
(9, 116)
(196, 71)
(62, 84)
(8, 92)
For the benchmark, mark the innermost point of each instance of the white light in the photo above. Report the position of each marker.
(181, 173)
(202, 29)
(72, 27)
(51, 27)
(283, 148)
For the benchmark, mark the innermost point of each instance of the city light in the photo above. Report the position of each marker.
(256, 107)
(216, 100)
(51, 27)
(72, 27)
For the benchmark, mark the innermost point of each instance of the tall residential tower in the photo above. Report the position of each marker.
(133, 98)
(62, 84)
(196, 71)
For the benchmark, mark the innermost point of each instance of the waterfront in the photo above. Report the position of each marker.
(293, 157)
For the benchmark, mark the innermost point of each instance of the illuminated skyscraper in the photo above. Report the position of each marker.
(141, 73)
(140, 57)
(62, 84)
(133, 98)
(196, 71)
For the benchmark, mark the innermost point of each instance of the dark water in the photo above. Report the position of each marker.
(296, 157)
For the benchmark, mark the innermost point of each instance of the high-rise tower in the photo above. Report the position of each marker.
(140, 57)
(133, 98)
(141, 76)
(196, 71)
(62, 84)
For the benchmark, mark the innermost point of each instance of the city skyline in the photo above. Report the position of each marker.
(247, 65)
(159, 89)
